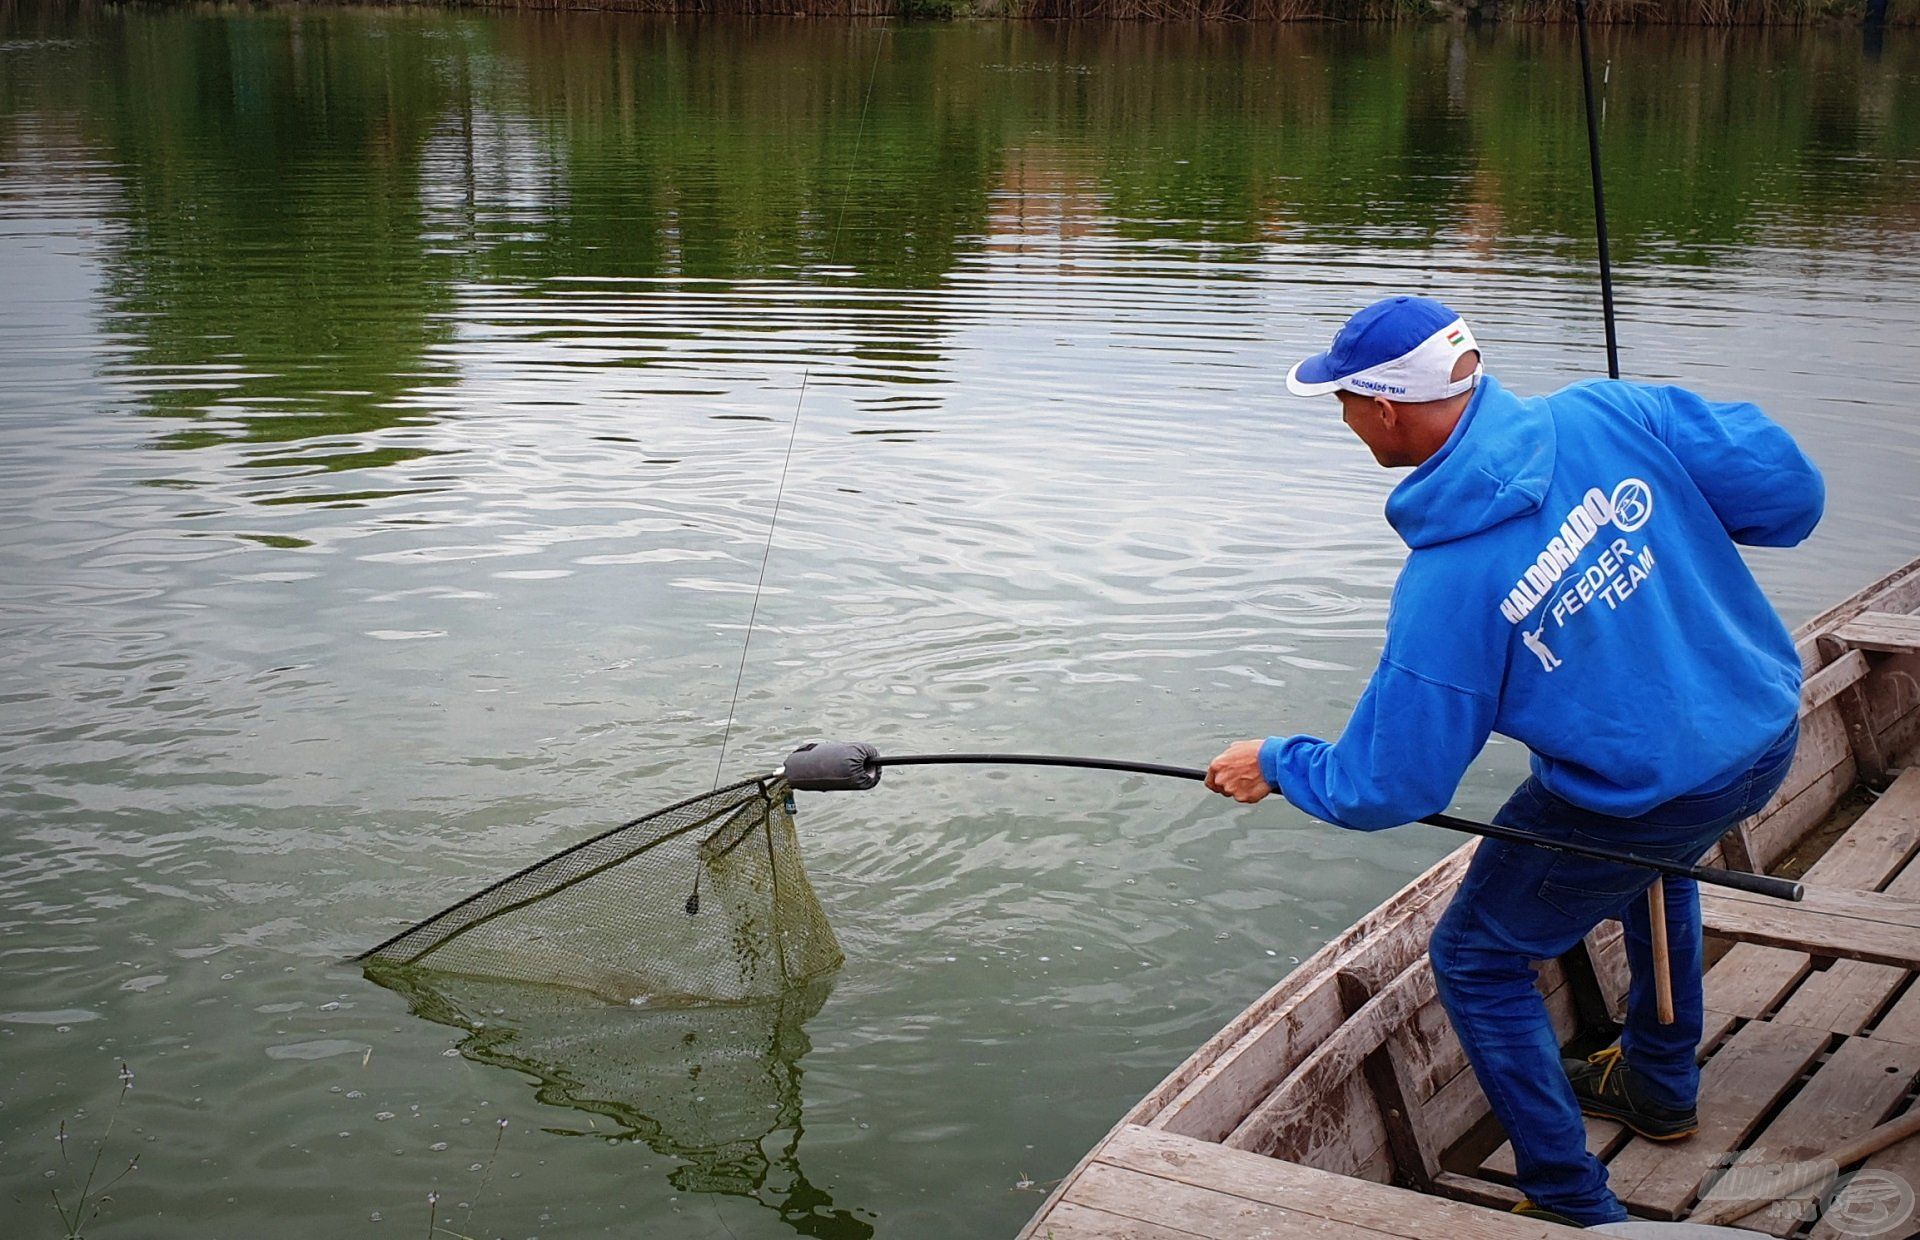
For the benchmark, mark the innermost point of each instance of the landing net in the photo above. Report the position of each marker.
(705, 901)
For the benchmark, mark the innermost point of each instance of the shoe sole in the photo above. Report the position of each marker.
(1636, 1129)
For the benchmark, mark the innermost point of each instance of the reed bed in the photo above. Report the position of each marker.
(1706, 13)
(744, 8)
(1606, 12)
(1603, 12)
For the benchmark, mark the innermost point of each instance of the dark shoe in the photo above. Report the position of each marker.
(1607, 1086)
(1527, 1209)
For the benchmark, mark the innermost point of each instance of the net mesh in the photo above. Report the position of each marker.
(705, 901)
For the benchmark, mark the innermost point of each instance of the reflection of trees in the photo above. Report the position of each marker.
(1712, 137)
(727, 150)
(770, 191)
(303, 194)
(1236, 134)
(271, 277)
(717, 1088)
(1345, 136)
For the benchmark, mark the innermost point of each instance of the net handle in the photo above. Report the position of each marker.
(1713, 876)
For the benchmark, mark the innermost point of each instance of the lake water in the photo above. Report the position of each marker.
(393, 405)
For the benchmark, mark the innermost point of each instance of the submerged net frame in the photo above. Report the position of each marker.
(716, 1088)
(705, 901)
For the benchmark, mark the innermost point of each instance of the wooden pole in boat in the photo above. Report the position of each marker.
(1662, 967)
(1814, 1170)
(1656, 894)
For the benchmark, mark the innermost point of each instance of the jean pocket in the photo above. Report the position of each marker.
(1589, 891)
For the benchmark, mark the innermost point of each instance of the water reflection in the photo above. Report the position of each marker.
(321, 217)
(716, 1088)
(272, 275)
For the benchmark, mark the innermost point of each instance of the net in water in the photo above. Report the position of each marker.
(717, 1088)
(705, 901)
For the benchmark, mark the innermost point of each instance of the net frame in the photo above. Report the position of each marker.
(764, 906)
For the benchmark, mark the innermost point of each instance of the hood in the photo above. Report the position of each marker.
(1495, 466)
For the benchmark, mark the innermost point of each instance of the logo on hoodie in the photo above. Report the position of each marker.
(1629, 507)
(1632, 504)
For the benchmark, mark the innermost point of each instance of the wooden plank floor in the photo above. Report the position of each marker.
(1151, 1185)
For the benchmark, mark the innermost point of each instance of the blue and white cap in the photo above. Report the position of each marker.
(1402, 348)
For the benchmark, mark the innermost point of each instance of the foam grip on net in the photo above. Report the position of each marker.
(833, 766)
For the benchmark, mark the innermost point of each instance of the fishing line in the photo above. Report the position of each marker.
(793, 432)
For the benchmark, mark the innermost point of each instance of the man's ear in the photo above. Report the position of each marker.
(1388, 411)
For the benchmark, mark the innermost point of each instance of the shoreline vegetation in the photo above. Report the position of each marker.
(1790, 13)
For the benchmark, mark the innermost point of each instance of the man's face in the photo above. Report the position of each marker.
(1368, 418)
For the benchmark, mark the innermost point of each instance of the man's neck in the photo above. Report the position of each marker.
(1432, 430)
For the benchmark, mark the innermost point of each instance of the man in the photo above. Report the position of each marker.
(1572, 582)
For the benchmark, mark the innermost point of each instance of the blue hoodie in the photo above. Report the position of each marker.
(1573, 583)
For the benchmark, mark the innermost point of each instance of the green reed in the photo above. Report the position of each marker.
(88, 1201)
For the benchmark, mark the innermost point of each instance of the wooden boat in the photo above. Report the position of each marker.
(1340, 1104)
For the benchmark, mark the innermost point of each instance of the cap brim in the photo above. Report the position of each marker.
(1313, 376)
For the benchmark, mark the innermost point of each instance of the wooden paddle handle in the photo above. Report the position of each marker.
(1662, 966)
(1813, 1171)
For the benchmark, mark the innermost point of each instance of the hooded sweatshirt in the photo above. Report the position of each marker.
(1574, 584)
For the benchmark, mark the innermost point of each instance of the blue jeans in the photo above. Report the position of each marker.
(1518, 904)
